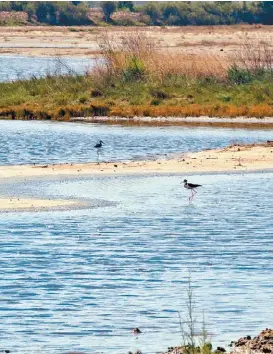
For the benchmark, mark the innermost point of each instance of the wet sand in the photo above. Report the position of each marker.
(233, 158)
(10, 204)
(236, 158)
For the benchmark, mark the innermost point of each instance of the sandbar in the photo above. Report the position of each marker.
(234, 158)
(10, 204)
(245, 158)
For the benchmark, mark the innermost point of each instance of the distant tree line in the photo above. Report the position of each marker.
(176, 13)
(67, 13)
(183, 13)
(208, 13)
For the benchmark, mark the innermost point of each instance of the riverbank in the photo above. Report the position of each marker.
(29, 204)
(139, 78)
(36, 41)
(242, 158)
(236, 122)
(67, 97)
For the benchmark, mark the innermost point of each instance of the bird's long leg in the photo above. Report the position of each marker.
(98, 156)
(193, 193)
(190, 198)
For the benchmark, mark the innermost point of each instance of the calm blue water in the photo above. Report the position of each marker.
(23, 142)
(21, 67)
(82, 279)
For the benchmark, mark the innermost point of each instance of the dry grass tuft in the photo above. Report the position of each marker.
(139, 50)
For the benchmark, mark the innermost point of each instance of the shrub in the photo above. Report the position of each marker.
(83, 98)
(224, 97)
(96, 93)
(239, 76)
(135, 70)
(156, 101)
(156, 93)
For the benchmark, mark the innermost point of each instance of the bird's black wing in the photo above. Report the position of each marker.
(191, 185)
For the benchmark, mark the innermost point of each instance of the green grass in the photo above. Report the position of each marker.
(65, 96)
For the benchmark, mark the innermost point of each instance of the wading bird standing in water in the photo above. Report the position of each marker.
(192, 187)
(98, 146)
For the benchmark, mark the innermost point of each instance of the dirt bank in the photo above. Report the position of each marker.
(82, 41)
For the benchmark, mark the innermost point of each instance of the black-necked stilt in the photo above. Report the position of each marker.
(136, 331)
(99, 144)
(192, 187)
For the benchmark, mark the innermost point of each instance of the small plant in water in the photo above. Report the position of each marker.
(188, 328)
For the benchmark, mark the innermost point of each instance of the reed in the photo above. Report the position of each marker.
(137, 56)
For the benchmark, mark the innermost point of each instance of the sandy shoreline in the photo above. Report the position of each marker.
(82, 41)
(236, 158)
(235, 122)
(29, 204)
(233, 158)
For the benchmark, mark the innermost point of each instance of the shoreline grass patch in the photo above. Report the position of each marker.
(136, 80)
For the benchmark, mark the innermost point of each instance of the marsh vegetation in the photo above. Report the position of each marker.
(136, 79)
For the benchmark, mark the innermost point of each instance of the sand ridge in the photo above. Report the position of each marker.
(232, 158)
(244, 158)
(10, 204)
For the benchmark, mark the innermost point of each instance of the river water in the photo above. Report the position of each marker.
(82, 279)
(21, 67)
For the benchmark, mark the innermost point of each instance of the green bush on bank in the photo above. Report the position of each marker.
(239, 76)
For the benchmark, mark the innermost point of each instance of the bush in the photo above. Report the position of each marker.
(156, 102)
(224, 97)
(239, 76)
(83, 98)
(96, 93)
(159, 94)
(135, 70)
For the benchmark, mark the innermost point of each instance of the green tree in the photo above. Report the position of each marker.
(126, 5)
(153, 10)
(71, 15)
(266, 8)
(108, 7)
(17, 5)
(30, 9)
(46, 12)
(5, 6)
